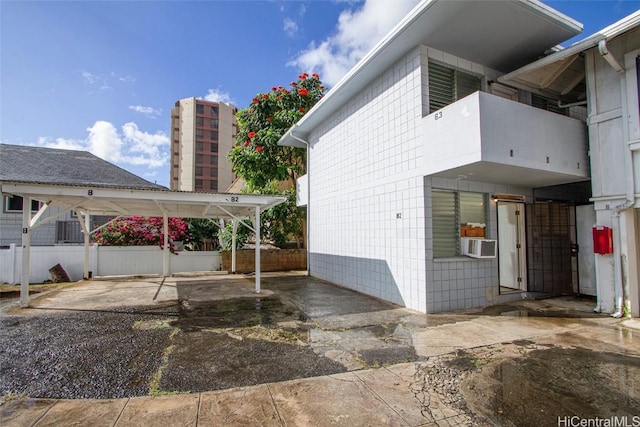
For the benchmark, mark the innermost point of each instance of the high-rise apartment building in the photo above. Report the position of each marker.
(202, 134)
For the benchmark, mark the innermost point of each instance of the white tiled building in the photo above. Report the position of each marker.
(419, 145)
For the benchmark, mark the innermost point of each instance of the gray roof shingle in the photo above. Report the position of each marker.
(39, 165)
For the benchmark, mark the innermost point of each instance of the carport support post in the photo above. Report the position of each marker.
(85, 224)
(26, 251)
(165, 255)
(257, 230)
(234, 224)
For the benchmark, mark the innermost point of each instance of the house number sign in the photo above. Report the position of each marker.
(437, 115)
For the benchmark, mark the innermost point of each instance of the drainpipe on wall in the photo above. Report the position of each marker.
(621, 285)
(308, 197)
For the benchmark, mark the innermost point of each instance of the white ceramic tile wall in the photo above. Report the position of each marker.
(462, 282)
(370, 207)
(366, 195)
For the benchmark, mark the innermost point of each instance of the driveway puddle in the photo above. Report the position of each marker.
(240, 342)
(236, 312)
(549, 383)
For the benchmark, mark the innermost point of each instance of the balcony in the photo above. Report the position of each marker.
(486, 138)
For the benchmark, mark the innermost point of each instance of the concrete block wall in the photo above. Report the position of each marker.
(270, 260)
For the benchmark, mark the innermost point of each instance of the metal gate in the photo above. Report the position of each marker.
(550, 233)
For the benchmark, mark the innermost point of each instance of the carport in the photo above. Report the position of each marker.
(112, 201)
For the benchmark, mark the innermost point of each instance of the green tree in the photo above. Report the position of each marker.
(266, 167)
(202, 230)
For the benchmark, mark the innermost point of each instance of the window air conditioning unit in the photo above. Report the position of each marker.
(478, 248)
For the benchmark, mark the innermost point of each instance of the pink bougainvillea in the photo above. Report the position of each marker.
(141, 231)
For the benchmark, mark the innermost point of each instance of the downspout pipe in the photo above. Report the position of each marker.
(621, 285)
(573, 104)
(607, 56)
(308, 196)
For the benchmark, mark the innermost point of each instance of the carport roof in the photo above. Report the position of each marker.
(94, 200)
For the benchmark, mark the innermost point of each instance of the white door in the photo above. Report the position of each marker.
(511, 246)
(585, 220)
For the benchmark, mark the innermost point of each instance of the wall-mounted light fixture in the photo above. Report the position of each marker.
(497, 197)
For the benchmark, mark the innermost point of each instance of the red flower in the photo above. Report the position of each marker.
(265, 96)
(247, 142)
(303, 76)
(315, 76)
(251, 134)
(293, 84)
(256, 99)
(303, 91)
(273, 88)
(259, 148)
(269, 119)
(301, 109)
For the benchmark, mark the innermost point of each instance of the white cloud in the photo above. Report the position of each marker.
(65, 144)
(105, 82)
(218, 95)
(290, 27)
(90, 78)
(356, 33)
(124, 79)
(150, 112)
(131, 146)
(289, 24)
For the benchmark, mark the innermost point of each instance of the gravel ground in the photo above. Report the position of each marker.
(79, 354)
(128, 352)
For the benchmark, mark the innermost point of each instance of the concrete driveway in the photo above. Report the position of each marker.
(306, 352)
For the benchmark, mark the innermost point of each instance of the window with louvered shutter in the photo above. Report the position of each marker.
(450, 210)
(547, 104)
(444, 223)
(447, 85)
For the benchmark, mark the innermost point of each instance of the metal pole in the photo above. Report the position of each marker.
(234, 224)
(26, 251)
(257, 230)
(85, 224)
(165, 255)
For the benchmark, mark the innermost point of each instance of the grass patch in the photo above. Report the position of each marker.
(154, 385)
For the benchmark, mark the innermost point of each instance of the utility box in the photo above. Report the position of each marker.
(602, 240)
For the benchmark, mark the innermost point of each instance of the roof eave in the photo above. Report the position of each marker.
(625, 24)
(385, 53)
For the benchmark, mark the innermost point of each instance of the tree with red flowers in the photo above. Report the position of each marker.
(141, 231)
(266, 167)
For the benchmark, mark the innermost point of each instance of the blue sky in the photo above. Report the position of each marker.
(103, 76)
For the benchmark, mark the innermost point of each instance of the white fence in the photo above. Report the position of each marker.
(103, 261)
